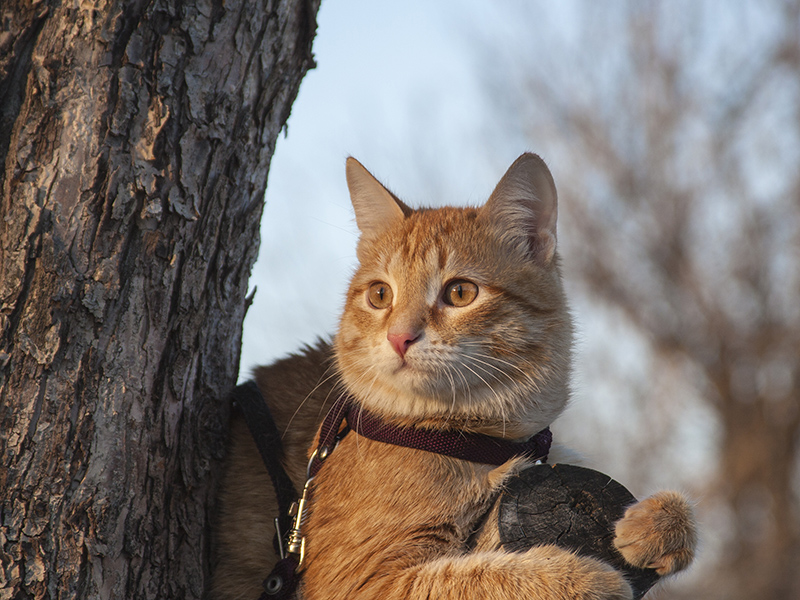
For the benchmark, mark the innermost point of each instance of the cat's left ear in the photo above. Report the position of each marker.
(376, 208)
(525, 205)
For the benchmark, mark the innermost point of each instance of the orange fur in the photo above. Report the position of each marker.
(390, 522)
(658, 533)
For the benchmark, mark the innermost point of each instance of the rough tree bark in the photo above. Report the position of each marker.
(135, 139)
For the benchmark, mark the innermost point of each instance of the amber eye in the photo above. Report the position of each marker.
(379, 295)
(460, 292)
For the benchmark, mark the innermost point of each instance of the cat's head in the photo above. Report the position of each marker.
(459, 314)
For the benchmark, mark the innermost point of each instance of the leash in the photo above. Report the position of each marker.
(282, 581)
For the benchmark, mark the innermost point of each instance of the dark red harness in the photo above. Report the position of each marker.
(472, 447)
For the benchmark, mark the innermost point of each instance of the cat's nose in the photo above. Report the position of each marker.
(401, 341)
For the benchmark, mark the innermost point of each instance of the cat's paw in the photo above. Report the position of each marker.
(594, 580)
(658, 533)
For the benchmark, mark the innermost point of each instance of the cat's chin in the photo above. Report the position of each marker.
(400, 394)
(407, 398)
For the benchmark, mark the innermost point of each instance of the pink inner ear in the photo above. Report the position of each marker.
(543, 245)
(540, 225)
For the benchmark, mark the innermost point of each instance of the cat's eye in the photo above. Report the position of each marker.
(379, 295)
(460, 293)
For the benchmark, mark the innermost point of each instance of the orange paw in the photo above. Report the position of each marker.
(658, 533)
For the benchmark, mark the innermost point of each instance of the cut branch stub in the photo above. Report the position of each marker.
(573, 508)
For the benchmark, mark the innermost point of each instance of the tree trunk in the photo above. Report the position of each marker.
(135, 138)
(756, 474)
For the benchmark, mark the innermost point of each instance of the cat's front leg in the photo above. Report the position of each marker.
(658, 533)
(541, 573)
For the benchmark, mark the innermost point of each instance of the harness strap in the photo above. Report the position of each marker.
(282, 581)
(330, 433)
(472, 447)
(247, 397)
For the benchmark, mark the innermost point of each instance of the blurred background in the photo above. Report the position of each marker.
(673, 132)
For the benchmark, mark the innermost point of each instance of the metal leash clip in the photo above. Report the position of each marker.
(296, 543)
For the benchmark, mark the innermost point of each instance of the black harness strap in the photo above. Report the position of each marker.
(265, 434)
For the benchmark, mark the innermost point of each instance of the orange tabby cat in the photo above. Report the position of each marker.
(456, 320)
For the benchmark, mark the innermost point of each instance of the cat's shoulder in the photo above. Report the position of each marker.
(309, 360)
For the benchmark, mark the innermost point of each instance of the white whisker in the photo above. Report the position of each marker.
(323, 380)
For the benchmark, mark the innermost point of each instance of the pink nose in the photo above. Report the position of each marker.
(401, 341)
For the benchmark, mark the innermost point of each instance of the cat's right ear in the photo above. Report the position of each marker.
(376, 208)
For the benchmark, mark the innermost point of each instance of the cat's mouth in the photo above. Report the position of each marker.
(411, 371)
(403, 367)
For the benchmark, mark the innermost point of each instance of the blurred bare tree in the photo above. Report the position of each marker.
(674, 132)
